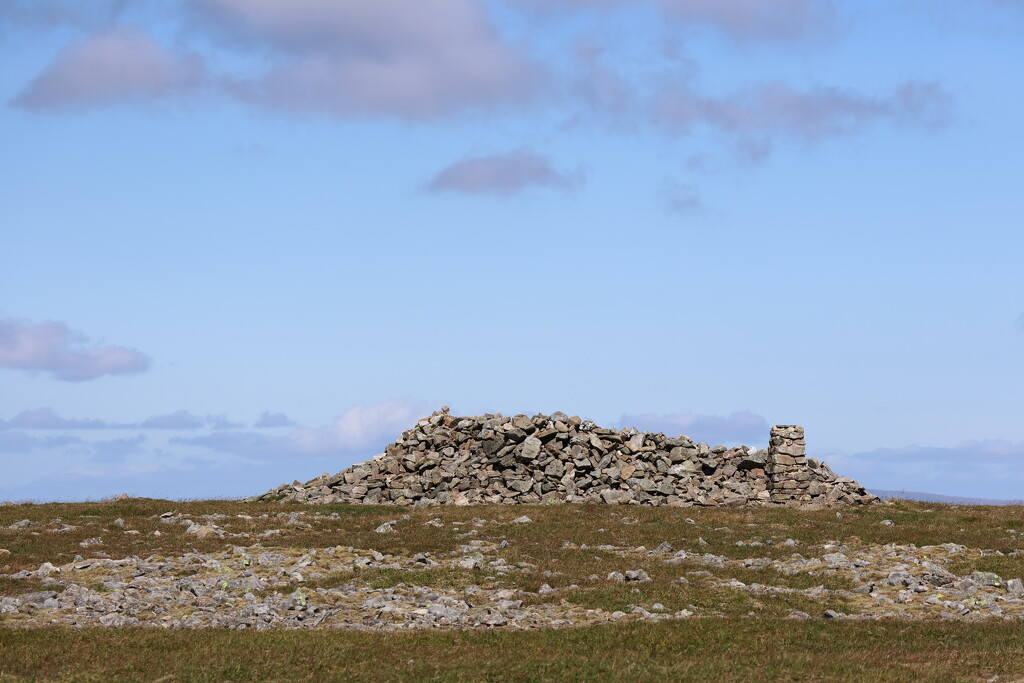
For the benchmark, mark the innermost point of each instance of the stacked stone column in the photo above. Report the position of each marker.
(786, 465)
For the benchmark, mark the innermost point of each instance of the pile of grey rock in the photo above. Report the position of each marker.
(450, 460)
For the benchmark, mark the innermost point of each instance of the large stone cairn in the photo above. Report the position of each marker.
(555, 458)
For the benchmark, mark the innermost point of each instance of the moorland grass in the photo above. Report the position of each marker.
(749, 639)
(691, 650)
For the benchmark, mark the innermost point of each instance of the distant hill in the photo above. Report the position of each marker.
(938, 498)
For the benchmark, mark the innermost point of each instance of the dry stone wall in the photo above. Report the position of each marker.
(450, 460)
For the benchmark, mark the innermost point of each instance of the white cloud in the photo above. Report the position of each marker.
(364, 426)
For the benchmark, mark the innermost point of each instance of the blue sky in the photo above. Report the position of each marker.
(250, 241)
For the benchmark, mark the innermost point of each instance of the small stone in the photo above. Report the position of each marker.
(1013, 586)
(45, 569)
(610, 496)
(37, 598)
(385, 528)
(470, 562)
(616, 576)
(522, 520)
(886, 522)
(115, 620)
(530, 448)
(637, 575)
(831, 614)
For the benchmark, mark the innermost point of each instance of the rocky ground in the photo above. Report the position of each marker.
(495, 571)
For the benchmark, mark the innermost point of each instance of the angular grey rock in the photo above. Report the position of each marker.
(987, 579)
(530, 448)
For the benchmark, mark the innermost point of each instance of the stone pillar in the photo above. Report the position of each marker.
(786, 466)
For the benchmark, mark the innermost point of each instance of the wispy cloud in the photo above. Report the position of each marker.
(53, 13)
(979, 468)
(355, 59)
(740, 20)
(52, 347)
(183, 419)
(750, 122)
(117, 450)
(180, 419)
(352, 58)
(775, 110)
(741, 427)
(270, 420)
(361, 429)
(116, 65)
(682, 198)
(46, 418)
(503, 174)
(20, 443)
(743, 20)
